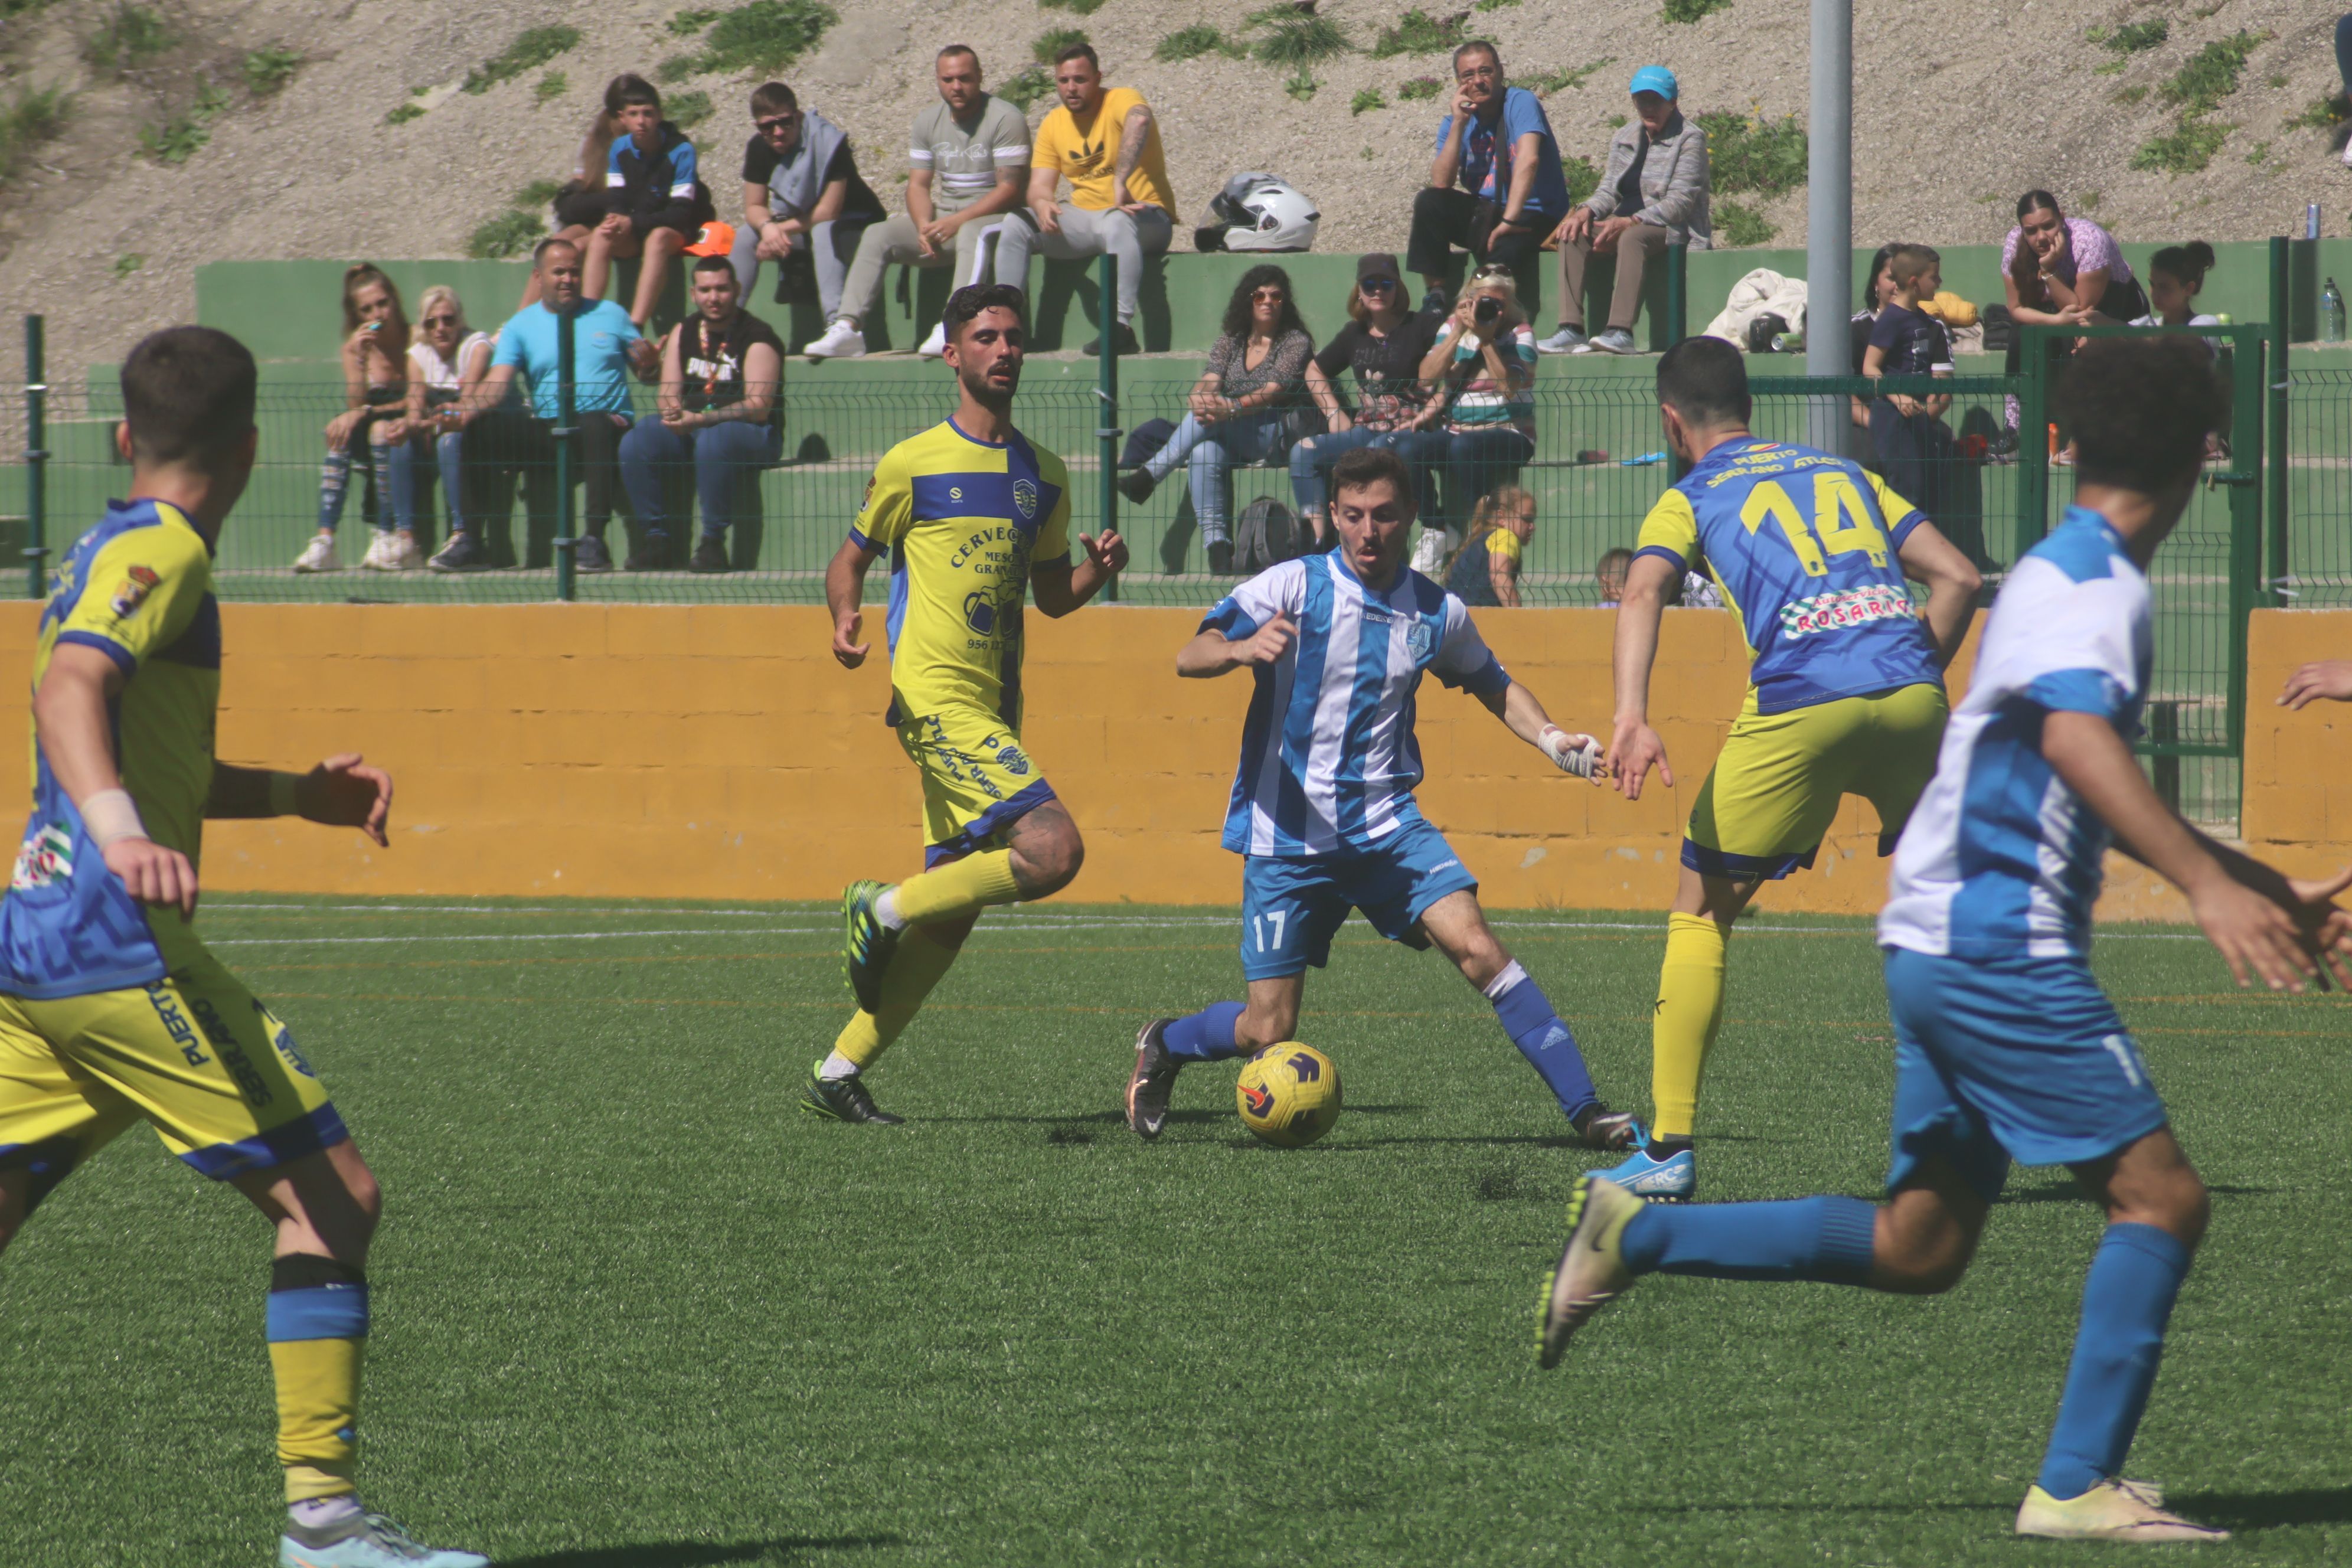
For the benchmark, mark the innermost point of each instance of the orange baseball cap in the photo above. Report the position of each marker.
(717, 239)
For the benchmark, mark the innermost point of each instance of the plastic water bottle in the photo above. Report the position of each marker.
(2331, 313)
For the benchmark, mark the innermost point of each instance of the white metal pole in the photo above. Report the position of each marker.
(1828, 213)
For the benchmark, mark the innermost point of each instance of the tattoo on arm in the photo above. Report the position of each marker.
(1131, 139)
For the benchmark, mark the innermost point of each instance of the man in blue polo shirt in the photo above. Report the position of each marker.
(1495, 187)
(606, 345)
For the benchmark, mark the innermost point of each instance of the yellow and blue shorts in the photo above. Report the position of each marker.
(195, 1054)
(1774, 790)
(977, 780)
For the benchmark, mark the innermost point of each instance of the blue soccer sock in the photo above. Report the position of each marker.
(2126, 1303)
(1207, 1035)
(1827, 1239)
(1527, 1016)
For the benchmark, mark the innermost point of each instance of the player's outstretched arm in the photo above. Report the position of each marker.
(2254, 933)
(1213, 654)
(1634, 748)
(1952, 582)
(1059, 588)
(341, 792)
(2328, 678)
(71, 727)
(1523, 714)
(844, 593)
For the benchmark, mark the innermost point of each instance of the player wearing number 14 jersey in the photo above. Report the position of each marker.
(1846, 693)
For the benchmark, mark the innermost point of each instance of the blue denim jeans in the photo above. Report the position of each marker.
(1210, 450)
(1311, 461)
(1474, 462)
(335, 478)
(415, 463)
(725, 457)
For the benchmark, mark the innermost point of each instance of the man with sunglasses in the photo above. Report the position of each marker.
(804, 203)
(1495, 187)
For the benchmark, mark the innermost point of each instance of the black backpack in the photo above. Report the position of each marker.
(1267, 532)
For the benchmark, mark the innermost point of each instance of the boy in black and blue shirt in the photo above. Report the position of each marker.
(1908, 439)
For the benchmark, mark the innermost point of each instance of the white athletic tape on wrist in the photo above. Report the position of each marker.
(1578, 760)
(109, 814)
(281, 795)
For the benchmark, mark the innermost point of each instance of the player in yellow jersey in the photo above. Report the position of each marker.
(111, 1011)
(974, 520)
(1846, 694)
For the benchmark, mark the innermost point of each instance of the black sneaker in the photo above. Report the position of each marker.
(1137, 485)
(843, 1099)
(867, 943)
(1220, 559)
(1608, 1131)
(460, 553)
(1154, 1078)
(590, 555)
(711, 555)
(652, 554)
(1122, 341)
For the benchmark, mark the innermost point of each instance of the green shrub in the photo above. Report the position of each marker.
(1026, 87)
(1746, 155)
(1301, 86)
(124, 266)
(2186, 148)
(1737, 227)
(1583, 179)
(550, 87)
(1301, 41)
(766, 36)
(1367, 98)
(404, 113)
(685, 24)
(1418, 33)
(1193, 42)
(1543, 84)
(2134, 37)
(269, 70)
(175, 141)
(2211, 73)
(1083, 7)
(509, 234)
(31, 117)
(676, 68)
(688, 110)
(1493, 4)
(1419, 86)
(130, 36)
(2324, 114)
(531, 48)
(1048, 45)
(1691, 10)
(539, 193)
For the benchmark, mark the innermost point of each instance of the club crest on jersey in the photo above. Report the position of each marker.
(1419, 638)
(133, 591)
(47, 857)
(1025, 500)
(1009, 758)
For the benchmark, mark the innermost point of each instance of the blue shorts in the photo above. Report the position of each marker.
(2001, 1059)
(1290, 909)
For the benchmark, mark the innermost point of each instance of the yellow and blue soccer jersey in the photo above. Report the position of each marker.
(138, 587)
(1801, 545)
(964, 521)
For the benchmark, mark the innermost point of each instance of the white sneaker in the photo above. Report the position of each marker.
(841, 341)
(382, 552)
(319, 556)
(936, 345)
(410, 558)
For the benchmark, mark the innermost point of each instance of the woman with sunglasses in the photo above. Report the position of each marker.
(1480, 420)
(1241, 409)
(447, 361)
(1384, 343)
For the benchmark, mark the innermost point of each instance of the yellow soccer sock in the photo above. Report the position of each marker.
(957, 888)
(318, 1324)
(1690, 1012)
(919, 965)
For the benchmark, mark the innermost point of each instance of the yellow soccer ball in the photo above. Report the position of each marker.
(1289, 1095)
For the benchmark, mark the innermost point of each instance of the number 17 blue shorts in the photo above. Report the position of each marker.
(1291, 909)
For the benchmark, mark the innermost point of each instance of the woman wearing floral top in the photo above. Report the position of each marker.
(2061, 271)
(1241, 408)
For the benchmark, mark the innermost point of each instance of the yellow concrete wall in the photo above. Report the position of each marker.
(718, 752)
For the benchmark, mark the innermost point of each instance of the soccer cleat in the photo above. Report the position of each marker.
(319, 556)
(867, 943)
(651, 554)
(1567, 341)
(1615, 340)
(710, 555)
(2115, 1510)
(841, 341)
(1671, 1180)
(936, 345)
(367, 1541)
(589, 554)
(461, 552)
(1592, 1271)
(1154, 1078)
(1609, 1131)
(843, 1099)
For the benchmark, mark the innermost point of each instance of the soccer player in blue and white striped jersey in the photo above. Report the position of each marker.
(2006, 1049)
(1322, 809)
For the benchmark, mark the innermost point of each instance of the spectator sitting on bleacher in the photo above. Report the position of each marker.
(1486, 572)
(580, 201)
(804, 203)
(1653, 194)
(2175, 274)
(1913, 449)
(2061, 271)
(1495, 187)
(445, 362)
(1108, 142)
(1480, 420)
(722, 414)
(1242, 406)
(654, 204)
(971, 158)
(606, 345)
(1384, 343)
(1878, 285)
(375, 385)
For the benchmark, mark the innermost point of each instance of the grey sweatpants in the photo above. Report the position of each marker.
(831, 245)
(1130, 236)
(894, 239)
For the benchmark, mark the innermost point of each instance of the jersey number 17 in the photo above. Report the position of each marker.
(1841, 521)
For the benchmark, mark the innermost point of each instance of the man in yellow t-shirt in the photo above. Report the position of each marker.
(1107, 141)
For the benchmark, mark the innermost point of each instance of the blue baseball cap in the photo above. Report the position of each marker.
(1654, 79)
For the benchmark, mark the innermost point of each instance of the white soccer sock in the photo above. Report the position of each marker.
(885, 910)
(1512, 974)
(836, 1067)
(316, 1513)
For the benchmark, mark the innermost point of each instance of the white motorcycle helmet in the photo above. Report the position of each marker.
(1258, 212)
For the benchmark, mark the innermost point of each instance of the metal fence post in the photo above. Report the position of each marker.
(566, 545)
(1677, 293)
(1106, 430)
(2281, 479)
(36, 461)
(2033, 440)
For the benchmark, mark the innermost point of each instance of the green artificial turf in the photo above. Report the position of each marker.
(633, 1310)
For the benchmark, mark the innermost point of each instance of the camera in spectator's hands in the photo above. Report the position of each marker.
(1488, 307)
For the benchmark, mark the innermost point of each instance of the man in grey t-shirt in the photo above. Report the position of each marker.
(971, 158)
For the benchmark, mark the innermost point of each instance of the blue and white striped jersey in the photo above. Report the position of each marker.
(1328, 760)
(2000, 858)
